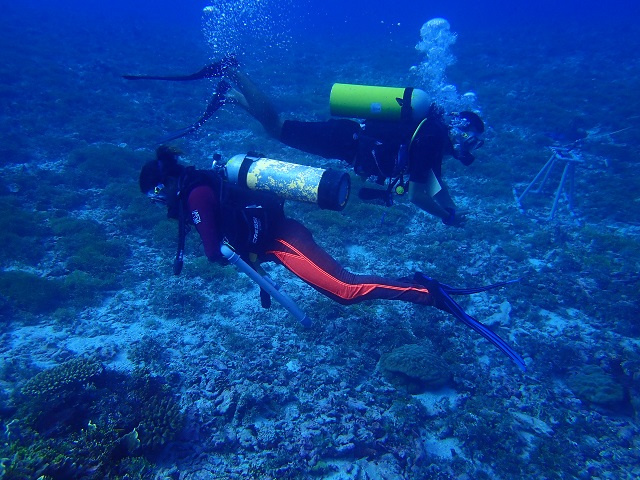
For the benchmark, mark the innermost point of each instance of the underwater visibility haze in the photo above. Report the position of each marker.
(113, 367)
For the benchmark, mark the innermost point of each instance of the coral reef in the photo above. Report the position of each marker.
(415, 367)
(199, 381)
(31, 293)
(592, 384)
(58, 380)
(79, 420)
(21, 233)
(161, 421)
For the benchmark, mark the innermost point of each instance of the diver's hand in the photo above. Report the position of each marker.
(455, 219)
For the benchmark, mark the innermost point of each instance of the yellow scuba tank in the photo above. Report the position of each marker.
(378, 103)
(329, 189)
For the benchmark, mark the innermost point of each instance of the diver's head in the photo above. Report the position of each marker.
(465, 132)
(159, 176)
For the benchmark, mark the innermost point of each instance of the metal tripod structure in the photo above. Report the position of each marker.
(561, 155)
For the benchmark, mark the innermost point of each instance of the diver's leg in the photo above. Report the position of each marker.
(256, 102)
(296, 250)
(335, 138)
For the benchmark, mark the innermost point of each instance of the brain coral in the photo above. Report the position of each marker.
(415, 367)
(593, 384)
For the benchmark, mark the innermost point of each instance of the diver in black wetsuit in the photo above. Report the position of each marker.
(390, 152)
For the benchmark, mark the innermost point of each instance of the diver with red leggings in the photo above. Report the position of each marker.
(254, 225)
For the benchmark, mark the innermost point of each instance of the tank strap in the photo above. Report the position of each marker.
(405, 108)
(248, 160)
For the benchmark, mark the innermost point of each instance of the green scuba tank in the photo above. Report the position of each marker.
(378, 103)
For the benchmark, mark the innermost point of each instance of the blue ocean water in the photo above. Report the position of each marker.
(111, 367)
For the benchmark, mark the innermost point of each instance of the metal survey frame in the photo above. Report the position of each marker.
(570, 157)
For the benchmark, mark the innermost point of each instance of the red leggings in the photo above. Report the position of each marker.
(295, 249)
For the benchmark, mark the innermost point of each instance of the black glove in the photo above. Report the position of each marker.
(265, 298)
(454, 219)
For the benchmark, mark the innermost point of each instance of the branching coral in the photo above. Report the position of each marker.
(161, 422)
(51, 382)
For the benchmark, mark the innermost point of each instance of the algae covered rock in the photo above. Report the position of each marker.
(64, 377)
(593, 384)
(32, 293)
(415, 367)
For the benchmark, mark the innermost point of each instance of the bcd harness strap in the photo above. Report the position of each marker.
(396, 183)
(183, 228)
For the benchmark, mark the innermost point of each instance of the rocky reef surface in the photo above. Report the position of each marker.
(113, 368)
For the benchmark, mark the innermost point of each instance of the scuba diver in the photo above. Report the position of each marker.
(237, 224)
(400, 144)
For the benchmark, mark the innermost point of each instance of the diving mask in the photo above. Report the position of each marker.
(466, 141)
(465, 129)
(463, 144)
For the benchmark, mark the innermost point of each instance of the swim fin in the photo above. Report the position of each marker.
(469, 291)
(444, 302)
(217, 101)
(213, 70)
(177, 134)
